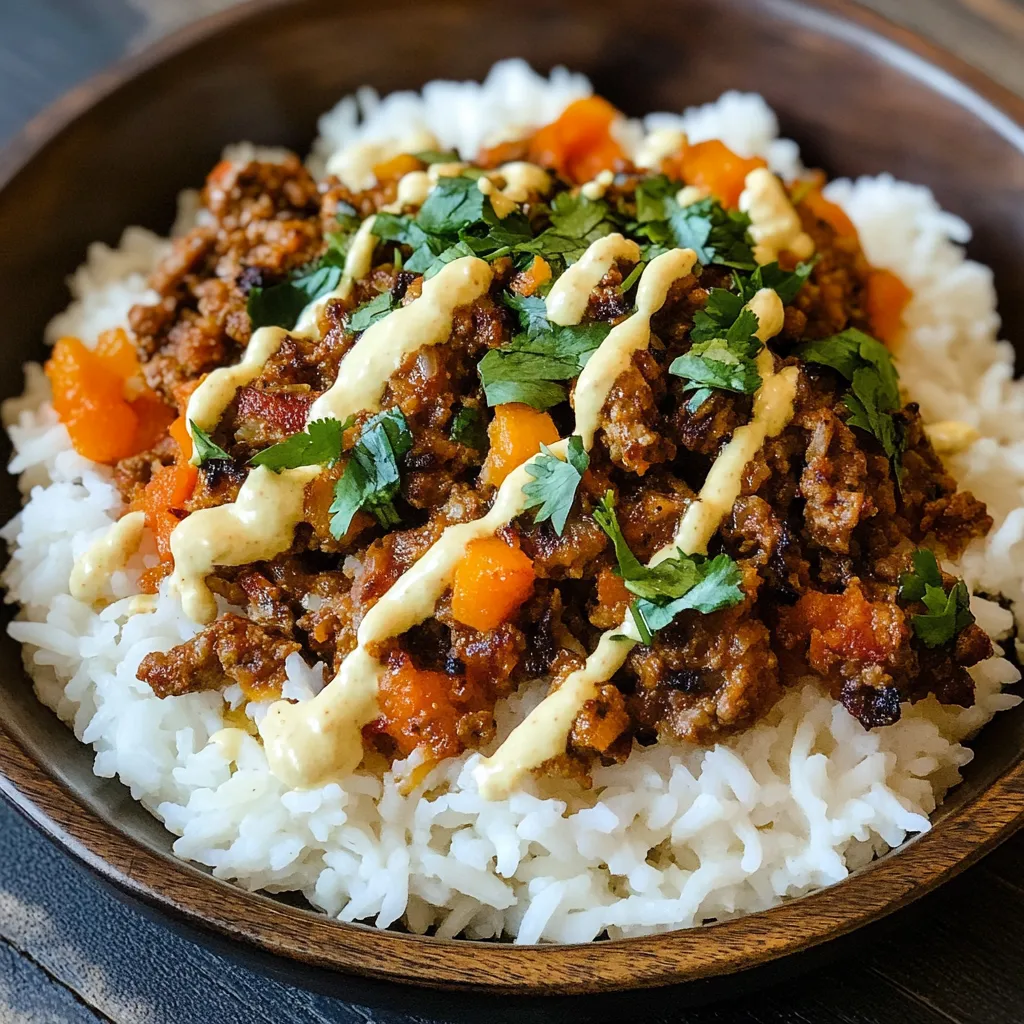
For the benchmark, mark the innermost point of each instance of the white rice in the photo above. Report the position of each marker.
(677, 835)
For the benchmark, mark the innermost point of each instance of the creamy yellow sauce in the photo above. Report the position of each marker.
(258, 525)
(318, 739)
(633, 334)
(105, 556)
(354, 164)
(657, 145)
(382, 348)
(545, 732)
(523, 179)
(207, 403)
(775, 225)
(596, 188)
(567, 301)
(500, 203)
(315, 740)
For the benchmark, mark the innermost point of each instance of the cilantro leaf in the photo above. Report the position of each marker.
(370, 312)
(715, 234)
(725, 361)
(280, 304)
(205, 449)
(434, 156)
(318, 445)
(371, 476)
(575, 216)
(946, 615)
(525, 370)
(532, 312)
(553, 489)
(675, 584)
(874, 393)
(453, 204)
(787, 283)
(468, 429)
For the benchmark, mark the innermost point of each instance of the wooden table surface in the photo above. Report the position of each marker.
(71, 952)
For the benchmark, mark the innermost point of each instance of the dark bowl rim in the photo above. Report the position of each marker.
(192, 896)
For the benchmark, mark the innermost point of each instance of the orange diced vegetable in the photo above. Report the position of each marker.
(503, 153)
(417, 709)
(154, 416)
(102, 398)
(168, 489)
(833, 215)
(579, 144)
(491, 581)
(712, 165)
(887, 297)
(179, 431)
(516, 434)
(396, 167)
(527, 282)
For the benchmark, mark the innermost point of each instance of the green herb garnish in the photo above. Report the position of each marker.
(529, 367)
(369, 313)
(676, 584)
(947, 614)
(371, 476)
(280, 304)
(468, 428)
(318, 445)
(553, 489)
(874, 394)
(724, 350)
(205, 449)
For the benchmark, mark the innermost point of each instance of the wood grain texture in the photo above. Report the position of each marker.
(906, 979)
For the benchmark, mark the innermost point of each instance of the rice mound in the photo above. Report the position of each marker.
(675, 836)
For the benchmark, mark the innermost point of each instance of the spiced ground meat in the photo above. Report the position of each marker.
(820, 534)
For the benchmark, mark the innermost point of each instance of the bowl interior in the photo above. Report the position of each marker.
(855, 101)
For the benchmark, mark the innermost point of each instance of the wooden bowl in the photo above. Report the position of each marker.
(860, 95)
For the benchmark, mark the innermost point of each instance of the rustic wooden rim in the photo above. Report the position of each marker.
(958, 839)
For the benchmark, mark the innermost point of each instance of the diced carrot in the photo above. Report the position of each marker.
(396, 167)
(491, 581)
(579, 144)
(168, 489)
(504, 152)
(114, 349)
(102, 398)
(712, 165)
(529, 280)
(154, 417)
(150, 579)
(887, 297)
(417, 710)
(103, 432)
(179, 431)
(221, 175)
(516, 434)
(833, 215)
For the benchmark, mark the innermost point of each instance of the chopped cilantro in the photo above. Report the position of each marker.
(205, 449)
(318, 445)
(531, 310)
(434, 156)
(715, 234)
(370, 312)
(575, 216)
(280, 304)
(453, 204)
(874, 393)
(724, 350)
(947, 614)
(468, 429)
(553, 489)
(785, 282)
(371, 477)
(527, 369)
(678, 583)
